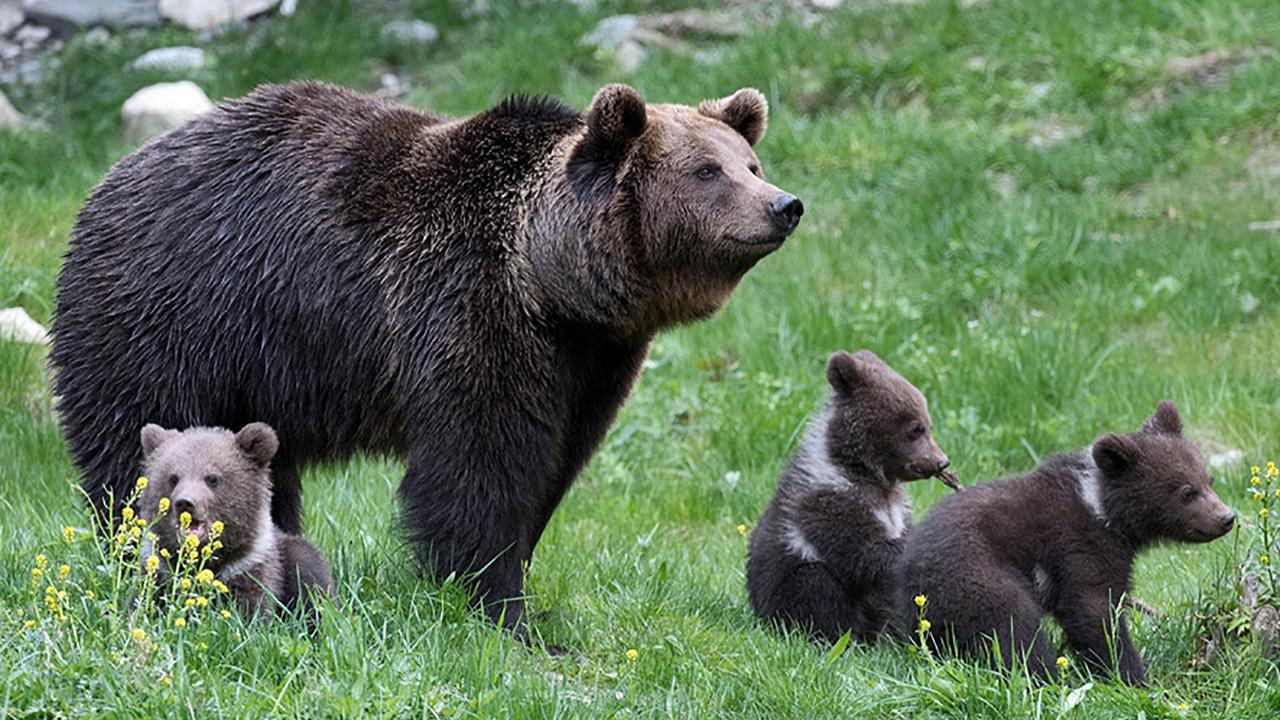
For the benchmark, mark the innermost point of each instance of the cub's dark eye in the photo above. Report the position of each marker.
(916, 431)
(1212, 479)
(755, 170)
(707, 172)
(173, 481)
(1189, 493)
(211, 480)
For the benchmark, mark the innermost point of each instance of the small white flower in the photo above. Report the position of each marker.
(972, 324)
(731, 478)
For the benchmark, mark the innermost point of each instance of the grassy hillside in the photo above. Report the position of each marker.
(1036, 210)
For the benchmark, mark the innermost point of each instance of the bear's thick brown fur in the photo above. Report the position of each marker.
(473, 295)
(214, 475)
(1060, 540)
(823, 555)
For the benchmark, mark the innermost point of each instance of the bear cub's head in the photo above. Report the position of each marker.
(1155, 485)
(213, 475)
(684, 191)
(879, 422)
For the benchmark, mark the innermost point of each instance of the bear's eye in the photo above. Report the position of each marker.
(173, 481)
(707, 172)
(1189, 493)
(1211, 480)
(916, 431)
(755, 170)
(211, 480)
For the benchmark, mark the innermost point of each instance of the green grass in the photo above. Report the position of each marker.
(1037, 294)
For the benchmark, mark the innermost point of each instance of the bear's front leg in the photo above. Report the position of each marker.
(1097, 630)
(468, 500)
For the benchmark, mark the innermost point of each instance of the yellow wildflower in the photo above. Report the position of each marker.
(1254, 470)
(35, 575)
(89, 594)
(216, 528)
(164, 504)
(153, 564)
(632, 654)
(1255, 481)
(165, 681)
(164, 553)
(221, 586)
(1063, 663)
(184, 520)
(202, 601)
(141, 484)
(180, 623)
(921, 600)
(1263, 513)
(1258, 495)
(193, 556)
(69, 534)
(140, 523)
(40, 561)
(205, 576)
(1265, 559)
(191, 602)
(63, 571)
(925, 625)
(192, 540)
(185, 583)
(202, 646)
(139, 634)
(226, 613)
(29, 624)
(127, 514)
(742, 529)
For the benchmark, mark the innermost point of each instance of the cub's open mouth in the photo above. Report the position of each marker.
(761, 242)
(198, 529)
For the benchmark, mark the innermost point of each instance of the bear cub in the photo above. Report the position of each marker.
(215, 475)
(822, 557)
(1061, 540)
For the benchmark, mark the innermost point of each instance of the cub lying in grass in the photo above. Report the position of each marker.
(214, 476)
(822, 556)
(1062, 539)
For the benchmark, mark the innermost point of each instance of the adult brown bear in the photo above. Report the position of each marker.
(473, 295)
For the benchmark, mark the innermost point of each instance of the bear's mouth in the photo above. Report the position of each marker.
(769, 241)
(197, 528)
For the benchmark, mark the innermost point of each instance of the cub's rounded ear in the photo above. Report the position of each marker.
(153, 436)
(1165, 420)
(847, 372)
(1114, 453)
(745, 111)
(258, 442)
(616, 117)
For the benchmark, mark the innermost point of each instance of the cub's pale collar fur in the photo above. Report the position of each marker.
(264, 543)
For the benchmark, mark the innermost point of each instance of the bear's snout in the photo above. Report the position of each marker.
(786, 210)
(1226, 521)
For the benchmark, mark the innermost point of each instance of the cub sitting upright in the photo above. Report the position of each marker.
(1061, 540)
(822, 556)
(214, 475)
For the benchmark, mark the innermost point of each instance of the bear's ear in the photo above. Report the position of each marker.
(153, 436)
(1114, 453)
(1165, 420)
(847, 373)
(616, 117)
(745, 111)
(258, 442)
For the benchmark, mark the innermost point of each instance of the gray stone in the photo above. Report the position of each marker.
(66, 16)
(10, 118)
(9, 51)
(410, 32)
(209, 14)
(30, 36)
(612, 32)
(178, 58)
(98, 36)
(157, 109)
(17, 326)
(11, 15)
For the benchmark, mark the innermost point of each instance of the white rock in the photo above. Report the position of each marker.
(209, 14)
(182, 57)
(157, 109)
(17, 326)
(1226, 458)
(410, 32)
(11, 15)
(66, 16)
(10, 118)
(612, 32)
(30, 36)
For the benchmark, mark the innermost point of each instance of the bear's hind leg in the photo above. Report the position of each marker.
(810, 599)
(286, 495)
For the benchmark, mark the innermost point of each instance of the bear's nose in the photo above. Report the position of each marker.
(943, 464)
(786, 210)
(184, 503)
(1228, 520)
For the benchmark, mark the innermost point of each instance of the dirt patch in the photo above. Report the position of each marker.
(1207, 70)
